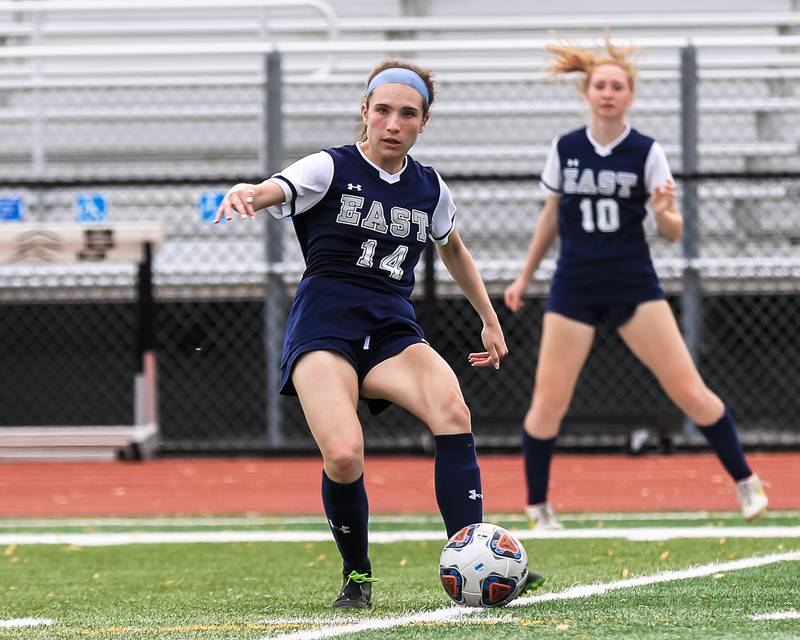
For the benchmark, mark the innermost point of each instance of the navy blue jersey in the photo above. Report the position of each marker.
(603, 192)
(361, 232)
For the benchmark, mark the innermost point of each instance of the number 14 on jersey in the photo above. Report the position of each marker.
(390, 263)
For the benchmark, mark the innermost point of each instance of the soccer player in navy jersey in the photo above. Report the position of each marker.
(600, 177)
(362, 214)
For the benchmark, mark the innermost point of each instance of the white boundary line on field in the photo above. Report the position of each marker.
(454, 614)
(290, 520)
(24, 622)
(780, 615)
(339, 620)
(386, 537)
(657, 515)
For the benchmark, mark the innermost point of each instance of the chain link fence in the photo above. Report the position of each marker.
(165, 151)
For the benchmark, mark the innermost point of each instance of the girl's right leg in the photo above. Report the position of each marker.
(563, 351)
(653, 335)
(327, 386)
(419, 380)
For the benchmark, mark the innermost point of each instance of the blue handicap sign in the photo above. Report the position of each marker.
(10, 209)
(208, 204)
(90, 207)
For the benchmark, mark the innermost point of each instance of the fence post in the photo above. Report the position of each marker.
(144, 386)
(691, 297)
(275, 292)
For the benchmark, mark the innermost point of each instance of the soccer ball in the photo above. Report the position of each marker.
(483, 565)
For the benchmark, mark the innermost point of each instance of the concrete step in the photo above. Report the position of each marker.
(111, 442)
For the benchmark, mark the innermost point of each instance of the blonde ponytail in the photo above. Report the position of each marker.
(571, 57)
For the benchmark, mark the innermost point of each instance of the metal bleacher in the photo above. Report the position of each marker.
(89, 90)
(125, 72)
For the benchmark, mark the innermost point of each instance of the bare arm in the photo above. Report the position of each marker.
(669, 220)
(543, 237)
(245, 199)
(462, 267)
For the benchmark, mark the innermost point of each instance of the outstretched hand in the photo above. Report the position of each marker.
(495, 345)
(238, 201)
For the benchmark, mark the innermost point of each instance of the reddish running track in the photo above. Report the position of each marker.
(291, 486)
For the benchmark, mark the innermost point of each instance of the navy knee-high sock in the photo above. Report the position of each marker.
(458, 481)
(538, 454)
(723, 439)
(347, 510)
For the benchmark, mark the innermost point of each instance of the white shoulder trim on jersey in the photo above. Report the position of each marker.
(551, 174)
(656, 168)
(304, 184)
(443, 220)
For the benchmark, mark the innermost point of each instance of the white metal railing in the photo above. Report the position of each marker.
(39, 27)
(230, 69)
(252, 75)
(47, 19)
(39, 11)
(539, 152)
(158, 33)
(174, 111)
(358, 26)
(501, 45)
(198, 63)
(562, 22)
(37, 8)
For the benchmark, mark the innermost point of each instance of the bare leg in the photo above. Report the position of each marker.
(327, 386)
(653, 336)
(563, 351)
(419, 380)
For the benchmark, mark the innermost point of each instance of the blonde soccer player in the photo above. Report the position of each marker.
(600, 178)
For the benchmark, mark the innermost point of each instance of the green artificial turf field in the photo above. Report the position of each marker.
(609, 576)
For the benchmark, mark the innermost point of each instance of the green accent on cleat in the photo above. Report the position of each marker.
(356, 591)
(360, 578)
(533, 582)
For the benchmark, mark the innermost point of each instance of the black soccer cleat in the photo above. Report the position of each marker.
(532, 582)
(356, 591)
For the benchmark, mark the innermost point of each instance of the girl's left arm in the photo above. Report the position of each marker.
(669, 220)
(462, 267)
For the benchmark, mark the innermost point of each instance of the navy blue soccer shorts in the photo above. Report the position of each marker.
(593, 311)
(364, 354)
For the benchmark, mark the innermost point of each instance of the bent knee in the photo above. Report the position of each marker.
(548, 407)
(344, 463)
(452, 414)
(697, 401)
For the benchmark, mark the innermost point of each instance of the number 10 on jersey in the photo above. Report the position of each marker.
(602, 215)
